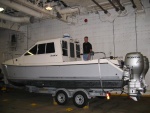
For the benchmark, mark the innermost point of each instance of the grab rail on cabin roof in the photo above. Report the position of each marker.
(92, 53)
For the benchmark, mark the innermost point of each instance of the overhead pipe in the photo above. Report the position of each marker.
(16, 19)
(34, 7)
(122, 8)
(22, 8)
(139, 6)
(64, 4)
(105, 11)
(133, 4)
(68, 10)
(45, 12)
(116, 8)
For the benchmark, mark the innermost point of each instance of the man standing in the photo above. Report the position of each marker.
(87, 49)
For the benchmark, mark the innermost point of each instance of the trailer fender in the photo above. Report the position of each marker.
(83, 90)
(65, 90)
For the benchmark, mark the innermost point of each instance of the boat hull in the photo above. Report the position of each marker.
(110, 84)
(91, 75)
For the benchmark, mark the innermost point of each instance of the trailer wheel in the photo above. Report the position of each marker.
(80, 99)
(61, 97)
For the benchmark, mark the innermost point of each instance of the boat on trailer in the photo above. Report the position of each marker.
(57, 66)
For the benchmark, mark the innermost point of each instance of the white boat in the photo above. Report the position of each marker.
(57, 63)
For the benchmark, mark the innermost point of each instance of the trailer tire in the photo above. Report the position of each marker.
(61, 97)
(80, 99)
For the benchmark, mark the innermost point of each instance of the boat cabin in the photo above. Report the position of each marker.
(50, 51)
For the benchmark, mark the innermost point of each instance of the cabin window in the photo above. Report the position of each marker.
(50, 48)
(78, 50)
(72, 50)
(64, 48)
(32, 51)
(41, 48)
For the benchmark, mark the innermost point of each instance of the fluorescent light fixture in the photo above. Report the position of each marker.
(1, 9)
(48, 7)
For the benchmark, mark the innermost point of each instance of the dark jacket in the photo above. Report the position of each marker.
(86, 48)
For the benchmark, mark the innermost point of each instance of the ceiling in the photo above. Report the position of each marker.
(28, 11)
(84, 3)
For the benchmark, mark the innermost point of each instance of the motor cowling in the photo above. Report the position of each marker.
(146, 66)
(145, 70)
(135, 62)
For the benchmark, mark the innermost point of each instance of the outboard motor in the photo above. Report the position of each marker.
(145, 70)
(134, 63)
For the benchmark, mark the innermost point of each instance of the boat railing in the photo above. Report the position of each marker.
(92, 54)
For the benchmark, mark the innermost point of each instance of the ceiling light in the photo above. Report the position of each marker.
(1, 9)
(48, 7)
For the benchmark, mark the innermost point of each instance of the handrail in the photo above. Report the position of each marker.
(102, 53)
(96, 53)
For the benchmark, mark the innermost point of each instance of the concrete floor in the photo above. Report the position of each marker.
(19, 101)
